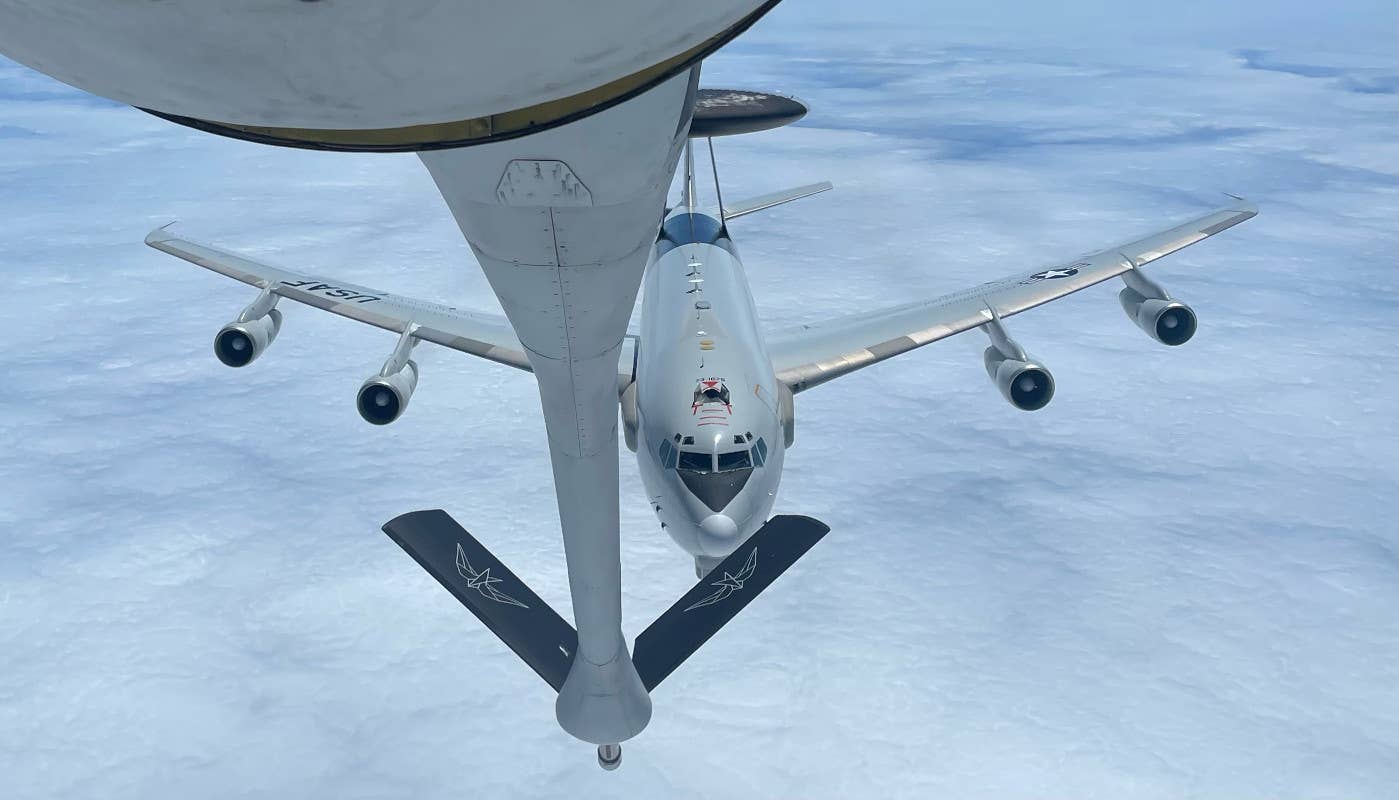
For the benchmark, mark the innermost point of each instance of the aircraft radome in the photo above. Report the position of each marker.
(707, 402)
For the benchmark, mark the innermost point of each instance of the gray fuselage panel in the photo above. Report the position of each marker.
(710, 444)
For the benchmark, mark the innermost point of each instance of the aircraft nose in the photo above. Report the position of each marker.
(719, 529)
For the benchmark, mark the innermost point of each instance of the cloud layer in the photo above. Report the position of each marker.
(1179, 579)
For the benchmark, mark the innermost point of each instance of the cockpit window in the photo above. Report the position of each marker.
(667, 454)
(738, 459)
(715, 480)
(695, 461)
(715, 489)
(760, 452)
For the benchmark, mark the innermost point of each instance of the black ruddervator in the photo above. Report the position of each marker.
(542, 638)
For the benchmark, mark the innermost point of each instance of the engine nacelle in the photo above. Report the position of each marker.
(1167, 321)
(787, 413)
(630, 419)
(239, 342)
(1025, 384)
(1151, 308)
(383, 398)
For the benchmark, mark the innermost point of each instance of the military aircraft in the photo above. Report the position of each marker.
(706, 395)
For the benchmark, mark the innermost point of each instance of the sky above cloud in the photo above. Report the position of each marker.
(1178, 580)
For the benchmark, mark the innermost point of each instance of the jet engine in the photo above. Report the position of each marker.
(1027, 385)
(383, 398)
(1147, 304)
(1023, 382)
(244, 339)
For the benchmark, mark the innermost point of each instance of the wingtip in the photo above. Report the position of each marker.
(1243, 204)
(160, 234)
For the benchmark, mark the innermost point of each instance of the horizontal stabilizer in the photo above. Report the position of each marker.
(721, 594)
(464, 567)
(745, 207)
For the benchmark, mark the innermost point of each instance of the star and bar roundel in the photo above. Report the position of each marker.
(1055, 273)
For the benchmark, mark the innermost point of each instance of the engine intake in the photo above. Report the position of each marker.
(383, 398)
(1026, 385)
(240, 342)
(1151, 308)
(1169, 322)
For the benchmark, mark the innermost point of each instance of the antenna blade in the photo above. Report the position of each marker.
(714, 165)
(688, 200)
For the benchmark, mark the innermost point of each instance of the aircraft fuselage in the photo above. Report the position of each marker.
(709, 432)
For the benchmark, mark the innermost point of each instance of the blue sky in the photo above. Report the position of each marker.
(1178, 580)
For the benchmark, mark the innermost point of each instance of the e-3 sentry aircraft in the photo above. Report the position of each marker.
(706, 395)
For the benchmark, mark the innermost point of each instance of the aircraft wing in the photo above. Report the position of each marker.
(818, 352)
(487, 336)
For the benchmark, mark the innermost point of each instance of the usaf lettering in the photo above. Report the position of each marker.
(331, 291)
